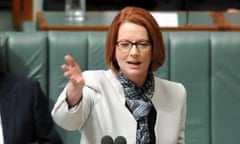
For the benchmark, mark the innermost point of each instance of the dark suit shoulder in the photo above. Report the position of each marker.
(10, 78)
(13, 83)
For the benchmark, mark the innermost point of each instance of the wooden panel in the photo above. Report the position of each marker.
(21, 10)
(16, 13)
(28, 10)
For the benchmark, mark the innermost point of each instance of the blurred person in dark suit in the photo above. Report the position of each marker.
(24, 114)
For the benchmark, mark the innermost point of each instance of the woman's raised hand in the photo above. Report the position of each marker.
(73, 72)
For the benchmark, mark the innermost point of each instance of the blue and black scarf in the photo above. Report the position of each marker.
(138, 101)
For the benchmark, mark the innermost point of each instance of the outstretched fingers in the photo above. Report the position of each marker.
(72, 70)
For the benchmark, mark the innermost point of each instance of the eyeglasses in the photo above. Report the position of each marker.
(126, 45)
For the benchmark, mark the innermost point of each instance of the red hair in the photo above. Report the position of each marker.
(141, 17)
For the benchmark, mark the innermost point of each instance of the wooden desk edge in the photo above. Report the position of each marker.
(102, 28)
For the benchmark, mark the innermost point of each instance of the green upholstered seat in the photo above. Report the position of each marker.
(190, 65)
(225, 87)
(26, 54)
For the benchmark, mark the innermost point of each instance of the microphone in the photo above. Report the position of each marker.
(107, 140)
(120, 140)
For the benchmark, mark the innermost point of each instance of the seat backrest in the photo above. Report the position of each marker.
(225, 87)
(26, 55)
(190, 65)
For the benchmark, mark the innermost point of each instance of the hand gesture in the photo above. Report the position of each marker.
(73, 72)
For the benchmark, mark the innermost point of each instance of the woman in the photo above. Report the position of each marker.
(126, 100)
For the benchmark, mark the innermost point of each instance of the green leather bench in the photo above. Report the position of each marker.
(26, 54)
(207, 63)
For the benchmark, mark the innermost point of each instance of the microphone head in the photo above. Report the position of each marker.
(107, 140)
(120, 140)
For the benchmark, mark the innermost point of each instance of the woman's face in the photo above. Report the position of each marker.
(133, 52)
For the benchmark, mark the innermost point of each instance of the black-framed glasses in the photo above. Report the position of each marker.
(126, 45)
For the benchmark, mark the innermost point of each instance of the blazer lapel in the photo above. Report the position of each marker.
(159, 93)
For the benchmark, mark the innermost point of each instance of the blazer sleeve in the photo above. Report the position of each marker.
(45, 131)
(74, 118)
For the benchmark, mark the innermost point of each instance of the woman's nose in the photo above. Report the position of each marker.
(134, 51)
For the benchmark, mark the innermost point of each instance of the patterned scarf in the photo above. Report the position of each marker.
(138, 101)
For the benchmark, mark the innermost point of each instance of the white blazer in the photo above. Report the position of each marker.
(102, 110)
